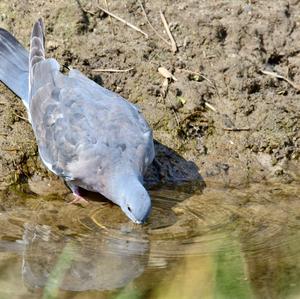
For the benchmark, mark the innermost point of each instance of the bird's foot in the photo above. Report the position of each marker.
(78, 200)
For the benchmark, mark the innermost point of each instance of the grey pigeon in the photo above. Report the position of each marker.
(90, 136)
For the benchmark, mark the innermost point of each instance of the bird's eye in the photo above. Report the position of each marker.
(129, 209)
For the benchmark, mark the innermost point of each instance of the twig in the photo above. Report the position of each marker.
(173, 43)
(112, 70)
(22, 117)
(211, 107)
(236, 129)
(176, 117)
(275, 75)
(3, 103)
(148, 21)
(3, 134)
(123, 21)
(11, 149)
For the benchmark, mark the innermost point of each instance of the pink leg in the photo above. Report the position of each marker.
(78, 200)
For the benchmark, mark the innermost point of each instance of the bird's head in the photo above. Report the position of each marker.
(137, 205)
(133, 198)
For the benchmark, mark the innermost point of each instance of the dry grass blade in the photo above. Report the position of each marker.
(176, 118)
(123, 21)
(21, 117)
(151, 26)
(236, 129)
(275, 75)
(173, 43)
(211, 107)
(10, 149)
(112, 70)
(165, 73)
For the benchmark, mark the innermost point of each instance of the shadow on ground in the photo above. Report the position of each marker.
(172, 171)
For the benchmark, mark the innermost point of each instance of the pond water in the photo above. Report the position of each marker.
(222, 243)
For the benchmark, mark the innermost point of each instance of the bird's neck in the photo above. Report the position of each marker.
(122, 183)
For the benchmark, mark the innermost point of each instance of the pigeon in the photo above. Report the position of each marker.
(86, 134)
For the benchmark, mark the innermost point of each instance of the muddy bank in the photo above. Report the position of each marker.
(237, 124)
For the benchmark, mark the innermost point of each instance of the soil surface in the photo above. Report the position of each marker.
(223, 120)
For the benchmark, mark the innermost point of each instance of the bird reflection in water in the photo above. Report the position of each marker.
(94, 262)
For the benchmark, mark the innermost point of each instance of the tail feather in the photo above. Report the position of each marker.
(37, 47)
(41, 70)
(14, 66)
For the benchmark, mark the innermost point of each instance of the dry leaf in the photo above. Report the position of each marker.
(165, 73)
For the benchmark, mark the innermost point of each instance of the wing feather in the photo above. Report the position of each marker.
(79, 124)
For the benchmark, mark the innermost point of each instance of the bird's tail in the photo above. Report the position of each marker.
(14, 65)
(37, 47)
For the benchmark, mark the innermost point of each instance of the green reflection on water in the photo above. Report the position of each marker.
(57, 274)
(129, 294)
(231, 278)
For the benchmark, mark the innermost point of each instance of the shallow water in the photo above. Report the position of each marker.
(223, 243)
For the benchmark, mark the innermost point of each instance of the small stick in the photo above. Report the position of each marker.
(211, 107)
(112, 70)
(176, 117)
(123, 21)
(236, 129)
(173, 43)
(10, 149)
(275, 75)
(22, 117)
(148, 21)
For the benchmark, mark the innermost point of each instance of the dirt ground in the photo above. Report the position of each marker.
(236, 124)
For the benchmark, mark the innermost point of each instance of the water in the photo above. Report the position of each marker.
(223, 243)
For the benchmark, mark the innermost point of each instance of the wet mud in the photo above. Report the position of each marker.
(237, 124)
